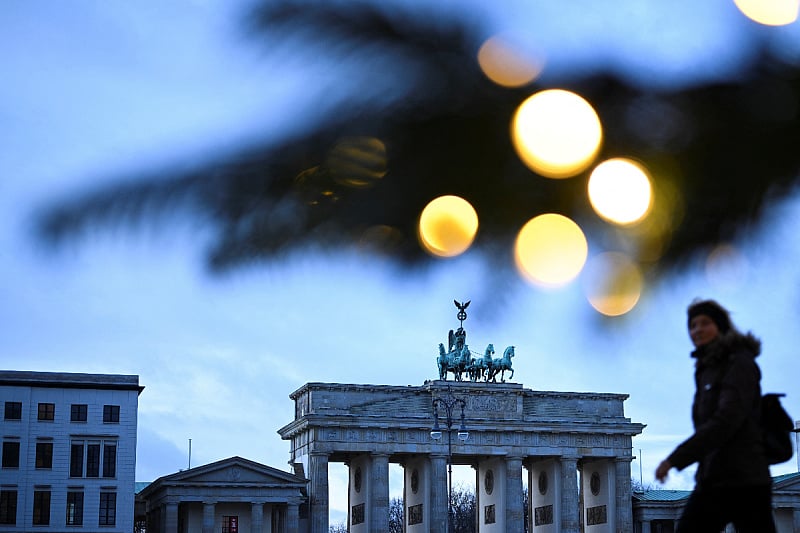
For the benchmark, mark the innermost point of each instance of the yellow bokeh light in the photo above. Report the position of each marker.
(556, 133)
(612, 283)
(770, 12)
(505, 64)
(620, 191)
(447, 226)
(550, 250)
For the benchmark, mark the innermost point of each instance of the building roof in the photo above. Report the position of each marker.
(794, 476)
(659, 495)
(141, 485)
(69, 380)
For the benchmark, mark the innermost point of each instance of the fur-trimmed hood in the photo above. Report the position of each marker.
(726, 344)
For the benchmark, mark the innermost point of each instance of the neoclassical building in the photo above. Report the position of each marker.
(575, 449)
(658, 511)
(234, 495)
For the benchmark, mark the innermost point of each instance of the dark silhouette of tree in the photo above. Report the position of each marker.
(396, 515)
(360, 175)
(464, 508)
(637, 486)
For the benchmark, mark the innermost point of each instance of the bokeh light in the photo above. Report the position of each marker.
(770, 12)
(357, 162)
(726, 268)
(505, 64)
(550, 250)
(447, 226)
(612, 283)
(556, 133)
(620, 191)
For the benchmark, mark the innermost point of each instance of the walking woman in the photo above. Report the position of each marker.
(733, 483)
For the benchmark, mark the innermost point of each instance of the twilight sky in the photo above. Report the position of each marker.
(94, 89)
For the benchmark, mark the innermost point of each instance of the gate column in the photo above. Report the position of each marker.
(379, 495)
(515, 515)
(318, 495)
(438, 491)
(570, 510)
(622, 485)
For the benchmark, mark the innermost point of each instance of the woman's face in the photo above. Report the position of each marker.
(702, 330)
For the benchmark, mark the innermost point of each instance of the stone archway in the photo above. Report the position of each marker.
(553, 435)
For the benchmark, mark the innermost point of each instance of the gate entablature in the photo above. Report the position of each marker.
(341, 419)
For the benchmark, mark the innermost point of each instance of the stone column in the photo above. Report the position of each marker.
(645, 526)
(379, 495)
(515, 516)
(293, 517)
(570, 510)
(622, 485)
(438, 492)
(171, 517)
(318, 493)
(209, 509)
(256, 517)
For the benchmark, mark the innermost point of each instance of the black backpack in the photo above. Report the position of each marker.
(776, 428)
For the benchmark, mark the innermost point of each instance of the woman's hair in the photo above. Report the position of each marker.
(711, 309)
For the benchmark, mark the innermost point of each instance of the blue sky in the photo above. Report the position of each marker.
(95, 89)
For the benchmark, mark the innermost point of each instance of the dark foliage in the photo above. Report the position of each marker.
(361, 175)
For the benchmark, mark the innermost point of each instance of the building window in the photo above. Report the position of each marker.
(13, 411)
(10, 454)
(76, 459)
(47, 411)
(44, 455)
(108, 508)
(77, 412)
(230, 524)
(87, 457)
(8, 507)
(109, 459)
(111, 414)
(74, 508)
(93, 459)
(41, 508)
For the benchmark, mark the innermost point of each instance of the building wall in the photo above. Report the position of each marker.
(494, 503)
(360, 488)
(599, 501)
(62, 433)
(544, 491)
(419, 500)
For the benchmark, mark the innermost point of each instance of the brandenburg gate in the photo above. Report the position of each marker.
(575, 449)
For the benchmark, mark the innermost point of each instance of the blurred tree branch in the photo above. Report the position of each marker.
(719, 153)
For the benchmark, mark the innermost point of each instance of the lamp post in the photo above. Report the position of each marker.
(448, 402)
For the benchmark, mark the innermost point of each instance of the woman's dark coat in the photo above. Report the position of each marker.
(725, 412)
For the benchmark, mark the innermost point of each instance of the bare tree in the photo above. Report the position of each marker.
(396, 515)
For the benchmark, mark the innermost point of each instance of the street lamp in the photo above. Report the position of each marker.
(448, 402)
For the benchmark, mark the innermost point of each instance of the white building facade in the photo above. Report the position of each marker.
(68, 451)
